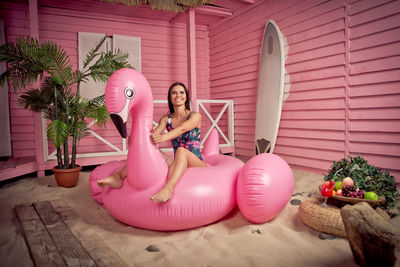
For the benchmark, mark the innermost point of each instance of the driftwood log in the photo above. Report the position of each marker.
(374, 241)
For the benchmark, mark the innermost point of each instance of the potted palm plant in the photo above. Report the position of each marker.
(58, 96)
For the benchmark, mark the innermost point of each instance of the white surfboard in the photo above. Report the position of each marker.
(270, 89)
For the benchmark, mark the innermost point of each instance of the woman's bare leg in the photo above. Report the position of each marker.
(183, 159)
(114, 180)
(167, 158)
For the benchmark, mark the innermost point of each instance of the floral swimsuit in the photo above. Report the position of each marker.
(189, 140)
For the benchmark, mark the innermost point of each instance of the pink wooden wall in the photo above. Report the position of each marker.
(344, 72)
(343, 64)
(23, 139)
(163, 47)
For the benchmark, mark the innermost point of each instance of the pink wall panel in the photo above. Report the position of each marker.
(343, 67)
(15, 17)
(163, 47)
(374, 79)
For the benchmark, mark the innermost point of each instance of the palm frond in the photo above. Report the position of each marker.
(59, 66)
(57, 132)
(25, 60)
(80, 129)
(98, 101)
(107, 64)
(37, 100)
(5, 76)
(100, 114)
(76, 77)
(93, 53)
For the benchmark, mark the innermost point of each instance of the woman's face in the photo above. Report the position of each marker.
(178, 95)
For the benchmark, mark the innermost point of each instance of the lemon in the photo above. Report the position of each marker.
(371, 195)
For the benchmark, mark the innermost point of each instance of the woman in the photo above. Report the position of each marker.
(183, 128)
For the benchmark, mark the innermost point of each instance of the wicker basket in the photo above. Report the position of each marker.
(326, 219)
(352, 200)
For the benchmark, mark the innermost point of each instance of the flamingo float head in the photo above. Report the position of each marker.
(127, 90)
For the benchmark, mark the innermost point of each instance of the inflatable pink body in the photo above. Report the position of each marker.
(202, 195)
(264, 187)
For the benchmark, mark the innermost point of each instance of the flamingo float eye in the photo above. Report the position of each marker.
(129, 92)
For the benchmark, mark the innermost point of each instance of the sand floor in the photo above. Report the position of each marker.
(283, 241)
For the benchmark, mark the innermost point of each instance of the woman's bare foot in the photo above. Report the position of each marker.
(163, 195)
(114, 181)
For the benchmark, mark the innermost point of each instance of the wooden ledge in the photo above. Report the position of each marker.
(55, 236)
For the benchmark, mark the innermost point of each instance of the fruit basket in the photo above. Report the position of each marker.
(340, 201)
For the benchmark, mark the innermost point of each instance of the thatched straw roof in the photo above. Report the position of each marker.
(166, 5)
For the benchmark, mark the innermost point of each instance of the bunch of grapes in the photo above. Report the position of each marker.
(352, 191)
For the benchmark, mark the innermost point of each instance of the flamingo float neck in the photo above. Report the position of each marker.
(130, 93)
(142, 150)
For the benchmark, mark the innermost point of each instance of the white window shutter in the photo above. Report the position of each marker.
(86, 42)
(131, 45)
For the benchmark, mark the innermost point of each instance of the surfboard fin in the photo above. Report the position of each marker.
(263, 146)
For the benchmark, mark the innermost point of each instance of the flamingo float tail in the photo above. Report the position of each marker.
(211, 145)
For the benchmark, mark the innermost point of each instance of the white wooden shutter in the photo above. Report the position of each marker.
(131, 45)
(5, 135)
(86, 42)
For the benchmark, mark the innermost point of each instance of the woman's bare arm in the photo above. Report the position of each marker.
(161, 125)
(193, 122)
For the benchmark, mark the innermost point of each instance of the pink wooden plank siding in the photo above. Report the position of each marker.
(374, 79)
(343, 64)
(163, 49)
(16, 19)
(164, 57)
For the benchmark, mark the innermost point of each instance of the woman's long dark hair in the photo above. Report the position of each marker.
(187, 103)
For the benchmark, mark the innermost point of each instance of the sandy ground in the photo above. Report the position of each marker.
(283, 241)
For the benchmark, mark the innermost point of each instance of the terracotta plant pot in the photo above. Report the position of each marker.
(67, 177)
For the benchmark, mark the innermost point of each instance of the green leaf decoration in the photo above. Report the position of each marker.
(366, 177)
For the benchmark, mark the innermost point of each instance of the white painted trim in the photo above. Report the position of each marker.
(228, 107)
(214, 123)
(160, 101)
(104, 141)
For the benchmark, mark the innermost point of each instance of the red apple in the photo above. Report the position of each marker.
(325, 184)
(326, 191)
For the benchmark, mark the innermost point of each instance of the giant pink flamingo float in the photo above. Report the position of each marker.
(202, 195)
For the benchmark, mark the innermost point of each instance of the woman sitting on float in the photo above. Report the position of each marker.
(183, 197)
(183, 127)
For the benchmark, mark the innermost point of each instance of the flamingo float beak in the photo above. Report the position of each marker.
(119, 124)
(120, 118)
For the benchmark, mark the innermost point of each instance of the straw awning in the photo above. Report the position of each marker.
(165, 5)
